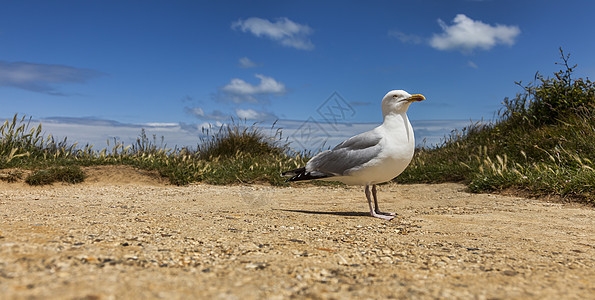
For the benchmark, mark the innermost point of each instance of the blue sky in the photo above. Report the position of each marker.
(174, 66)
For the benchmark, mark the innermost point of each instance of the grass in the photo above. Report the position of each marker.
(69, 174)
(236, 153)
(542, 143)
(11, 176)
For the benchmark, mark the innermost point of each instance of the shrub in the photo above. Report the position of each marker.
(542, 143)
(232, 139)
(70, 174)
(551, 99)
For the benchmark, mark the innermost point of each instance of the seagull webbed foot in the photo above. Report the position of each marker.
(381, 216)
(386, 213)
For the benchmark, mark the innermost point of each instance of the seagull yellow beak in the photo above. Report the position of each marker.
(417, 97)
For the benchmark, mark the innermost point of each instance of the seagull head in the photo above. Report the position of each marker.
(397, 101)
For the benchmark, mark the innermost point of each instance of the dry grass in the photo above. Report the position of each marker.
(235, 153)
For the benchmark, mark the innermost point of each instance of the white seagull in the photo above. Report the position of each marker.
(369, 158)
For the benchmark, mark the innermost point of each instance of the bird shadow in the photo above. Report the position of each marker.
(334, 213)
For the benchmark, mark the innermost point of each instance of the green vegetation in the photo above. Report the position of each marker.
(69, 174)
(236, 153)
(543, 143)
(12, 176)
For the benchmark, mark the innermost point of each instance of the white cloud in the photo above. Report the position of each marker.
(472, 65)
(251, 114)
(406, 38)
(158, 124)
(239, 91)
(200, 114)
(247, 63)
(283, 30)
(196, 111)
(40, 78)
(466, 35)
(217, 115)
(248, 114)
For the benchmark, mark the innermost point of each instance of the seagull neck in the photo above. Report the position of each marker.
(394, 117)
(399, 127)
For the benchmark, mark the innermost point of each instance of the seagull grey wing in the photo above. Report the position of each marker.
(361, 141)
(350, 154)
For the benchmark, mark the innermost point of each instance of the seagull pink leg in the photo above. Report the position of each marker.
(372, 211)
(377, 210)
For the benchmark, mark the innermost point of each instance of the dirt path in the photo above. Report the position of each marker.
(131, 236)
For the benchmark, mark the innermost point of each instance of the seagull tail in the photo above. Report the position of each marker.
(301, 174)
(294, 172)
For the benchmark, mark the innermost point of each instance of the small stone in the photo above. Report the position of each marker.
(297, 241)
(386, 259)
(256, 266)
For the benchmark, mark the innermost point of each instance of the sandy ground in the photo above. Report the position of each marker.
(124, 234)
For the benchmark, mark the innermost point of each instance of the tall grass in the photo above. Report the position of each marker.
(543, 143)
(236, 153)
(244, 154)
(231, 139)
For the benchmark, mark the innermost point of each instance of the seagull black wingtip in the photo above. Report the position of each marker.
(301, 174)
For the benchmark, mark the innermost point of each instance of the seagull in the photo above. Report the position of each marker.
(369, 158)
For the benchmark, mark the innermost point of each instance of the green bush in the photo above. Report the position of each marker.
(543, 143)
(547, 100)
(232, 139)
(70, 174)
